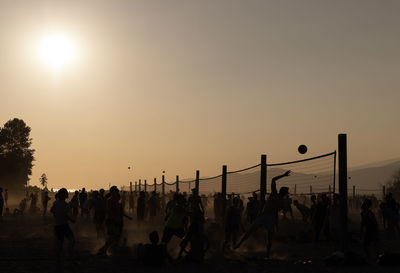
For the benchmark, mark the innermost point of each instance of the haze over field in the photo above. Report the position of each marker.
(186, 85)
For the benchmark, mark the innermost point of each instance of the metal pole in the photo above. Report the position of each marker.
(342, 141)
(263, 179)
(163, 185)
(177, 183)
(197, 182)
(334, 173)
(155, 184)
(223, 188)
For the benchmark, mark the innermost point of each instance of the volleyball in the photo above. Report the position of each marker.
(302, 149)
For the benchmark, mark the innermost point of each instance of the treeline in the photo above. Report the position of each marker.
(16, 155)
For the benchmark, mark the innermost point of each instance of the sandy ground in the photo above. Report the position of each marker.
(27, 245)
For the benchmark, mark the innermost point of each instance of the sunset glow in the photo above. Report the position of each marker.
(57, 50)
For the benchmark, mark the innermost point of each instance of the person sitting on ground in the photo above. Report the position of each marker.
(153, 253)
(303, 209)
(269, 216)
(61, 212)
(369, 229)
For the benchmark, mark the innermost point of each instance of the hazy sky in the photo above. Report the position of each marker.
(186, 85)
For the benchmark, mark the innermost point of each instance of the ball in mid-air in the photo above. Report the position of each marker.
(302, 149)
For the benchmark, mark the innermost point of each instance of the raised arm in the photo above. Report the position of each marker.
(276, 178)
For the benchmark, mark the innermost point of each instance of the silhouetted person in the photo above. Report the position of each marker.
(6, 197)
(268, 219)
(392, 213)
(320, 216)
(99, 217)
(287, 207)
(304, 210)
(195, 204)
(252, 208)
(21, 208)
(170, 205)
(153, 254)
(74, 204)
(313, 207)
(82, 202)
(1, 203)
(141, 206)
(45, 201)
(218, 207)
(33, 207)
(153, 205)
(61, 212)
(334, 217)
(114, 220)
(383, 213)
(176, 221)
(233, 223)
(131, 202)
(369, 228)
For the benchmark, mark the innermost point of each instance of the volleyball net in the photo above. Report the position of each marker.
(308, 176)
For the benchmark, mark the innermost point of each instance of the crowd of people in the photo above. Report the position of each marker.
(184, 215)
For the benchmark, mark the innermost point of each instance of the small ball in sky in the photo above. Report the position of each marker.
(302, 149)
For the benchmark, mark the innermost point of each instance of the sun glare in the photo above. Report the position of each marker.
(57, 51)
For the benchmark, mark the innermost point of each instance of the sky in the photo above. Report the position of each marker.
(179, 86)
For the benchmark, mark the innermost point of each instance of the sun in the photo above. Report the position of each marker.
(57, 50)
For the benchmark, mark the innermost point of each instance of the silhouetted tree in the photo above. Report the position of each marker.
(393, 185)
(43, 180)
(16, 157)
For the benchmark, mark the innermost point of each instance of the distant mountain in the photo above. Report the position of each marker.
(373, 176)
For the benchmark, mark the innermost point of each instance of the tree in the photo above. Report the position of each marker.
(16, 156)
(43, 180)
(393, 185)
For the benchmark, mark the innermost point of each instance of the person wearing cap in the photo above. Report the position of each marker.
(268, 218)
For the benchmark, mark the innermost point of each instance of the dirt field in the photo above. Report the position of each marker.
(27, 245)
